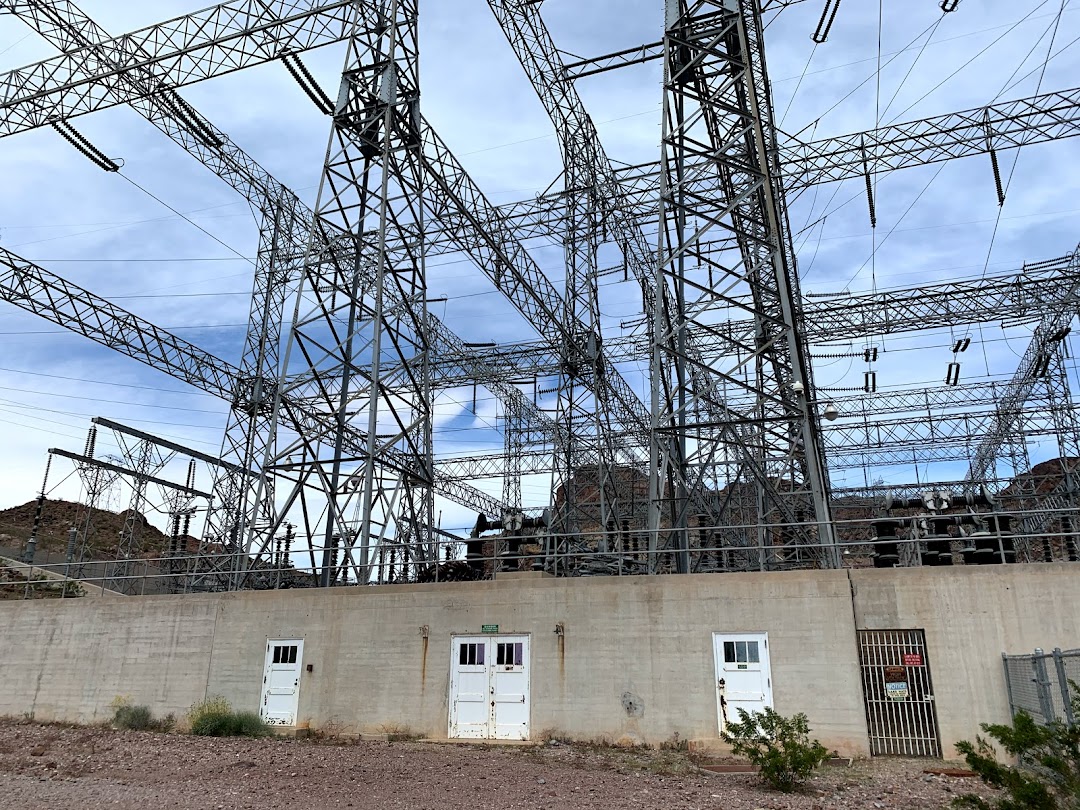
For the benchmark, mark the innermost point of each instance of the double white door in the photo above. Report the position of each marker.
(489, 687)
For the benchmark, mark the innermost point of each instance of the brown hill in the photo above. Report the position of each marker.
(103, 529)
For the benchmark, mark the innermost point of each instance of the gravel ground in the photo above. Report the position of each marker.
(54, 766)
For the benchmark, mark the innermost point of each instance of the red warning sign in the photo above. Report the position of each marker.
(913, 659)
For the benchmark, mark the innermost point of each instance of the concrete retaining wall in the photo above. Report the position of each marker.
(372, 666)
(971, 616)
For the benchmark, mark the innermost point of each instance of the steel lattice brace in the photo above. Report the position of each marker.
(1003, 125)
(1014, 297)
(44, 294)
(213, 42)
(285, 235)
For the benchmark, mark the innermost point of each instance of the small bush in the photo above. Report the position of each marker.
(136, 718)
(1048, 777)
(214, 717)
(210, 717)
(249, 724)
(781, 747)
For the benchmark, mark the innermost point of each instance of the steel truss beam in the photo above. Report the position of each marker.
(932, 437)
(188, 49)
(1015, 297)
(1004, 125)
(192, 48)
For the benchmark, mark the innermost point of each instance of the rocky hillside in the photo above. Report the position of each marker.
(59, 516)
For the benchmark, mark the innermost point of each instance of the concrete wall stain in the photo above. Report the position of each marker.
(423, 662)
(633, 705)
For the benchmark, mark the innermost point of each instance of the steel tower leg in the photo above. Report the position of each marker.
(355, 352)
(718, 127)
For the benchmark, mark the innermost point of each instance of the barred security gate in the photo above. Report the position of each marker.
(899, 695)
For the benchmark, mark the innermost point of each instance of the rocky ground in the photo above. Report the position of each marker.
(52, 766)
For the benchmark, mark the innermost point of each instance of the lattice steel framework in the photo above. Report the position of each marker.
(729, 438)
(719, 175)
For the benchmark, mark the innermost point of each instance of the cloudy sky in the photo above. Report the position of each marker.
(107, 232)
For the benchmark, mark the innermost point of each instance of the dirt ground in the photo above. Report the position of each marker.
(45, 766)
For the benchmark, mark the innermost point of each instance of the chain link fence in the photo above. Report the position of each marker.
(1039, 684)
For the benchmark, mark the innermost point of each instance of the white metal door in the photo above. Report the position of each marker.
(281, 681)
(510, 688)
(743, 676)
(489, 687)
(469, 689)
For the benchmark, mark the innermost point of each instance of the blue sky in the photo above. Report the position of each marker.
(106, 234)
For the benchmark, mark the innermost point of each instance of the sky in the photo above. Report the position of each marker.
(120, 235)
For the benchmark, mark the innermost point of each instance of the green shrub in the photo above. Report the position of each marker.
(781, 747)
(1048, 776)
(214, 717)
(249, 724)
(136, 718)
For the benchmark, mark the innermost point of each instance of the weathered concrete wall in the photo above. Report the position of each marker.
(648, 636)
(69, 659)
(971, 616)
(372, 666)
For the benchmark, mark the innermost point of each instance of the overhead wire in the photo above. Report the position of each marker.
(1015, 162)
(191, 392)
(187, 219)
(967, 63)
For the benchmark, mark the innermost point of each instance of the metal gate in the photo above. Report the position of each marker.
(900, 712)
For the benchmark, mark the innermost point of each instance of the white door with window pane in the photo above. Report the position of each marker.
(489, 687)
(281, 681)
(469, 691)
(743, 677)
